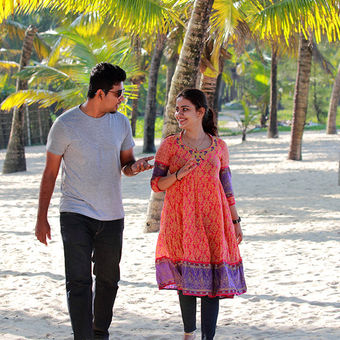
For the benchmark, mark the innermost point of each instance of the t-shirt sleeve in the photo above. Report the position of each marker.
(58, 139)
(161, 165)
(225, 174)
(128, 141)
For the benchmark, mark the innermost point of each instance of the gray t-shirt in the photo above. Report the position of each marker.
(91, 169)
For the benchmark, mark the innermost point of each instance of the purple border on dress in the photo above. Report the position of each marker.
(201, 279)
(225, 178)
(159, 170)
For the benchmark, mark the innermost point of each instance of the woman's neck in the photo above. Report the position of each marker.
(196, 134)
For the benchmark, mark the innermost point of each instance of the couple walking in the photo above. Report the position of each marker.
(197, 250)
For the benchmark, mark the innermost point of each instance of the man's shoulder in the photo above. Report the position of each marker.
(69, 115)
(121, 117)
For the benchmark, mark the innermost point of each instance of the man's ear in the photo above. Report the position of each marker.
(100, 94)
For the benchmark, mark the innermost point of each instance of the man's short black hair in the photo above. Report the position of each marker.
(104, 76)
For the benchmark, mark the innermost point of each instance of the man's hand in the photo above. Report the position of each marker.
(43, 229)
(142, 165)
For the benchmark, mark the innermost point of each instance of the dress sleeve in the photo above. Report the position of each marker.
(225, 175)
(161, 165)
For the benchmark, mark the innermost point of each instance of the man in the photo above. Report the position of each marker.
(94, 143)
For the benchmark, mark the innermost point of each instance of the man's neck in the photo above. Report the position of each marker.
(91, 109)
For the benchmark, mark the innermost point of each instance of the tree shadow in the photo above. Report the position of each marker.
(53, 276)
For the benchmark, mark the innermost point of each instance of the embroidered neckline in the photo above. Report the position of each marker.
(193, 151)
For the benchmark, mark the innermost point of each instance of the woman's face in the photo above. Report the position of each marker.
(186, 114)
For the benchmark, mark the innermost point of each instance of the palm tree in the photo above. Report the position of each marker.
(300, 98)
(226, 26)
(284, 18)
(171, 53)
(150, 110)
(333, 104)
(140, 17)
(65, 83)
(137, 80)
(272, 126)
(15, 156)
(185, 76)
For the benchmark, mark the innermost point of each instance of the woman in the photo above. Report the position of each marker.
(197, 249)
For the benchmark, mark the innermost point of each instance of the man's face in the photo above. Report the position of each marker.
(114, 97)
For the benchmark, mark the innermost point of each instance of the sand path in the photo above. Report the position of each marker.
(291, 222)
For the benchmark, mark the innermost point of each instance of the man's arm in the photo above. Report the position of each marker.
(130, 166)
(42, 227)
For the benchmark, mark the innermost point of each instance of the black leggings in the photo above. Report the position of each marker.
(209, 314)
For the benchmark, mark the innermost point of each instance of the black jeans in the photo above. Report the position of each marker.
(209, 314)
(86, 239)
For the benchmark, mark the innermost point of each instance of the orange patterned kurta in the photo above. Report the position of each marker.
(197, 251)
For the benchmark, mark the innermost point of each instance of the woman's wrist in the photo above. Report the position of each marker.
(237, 221)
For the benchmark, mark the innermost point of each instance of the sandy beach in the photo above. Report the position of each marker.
(291, 222)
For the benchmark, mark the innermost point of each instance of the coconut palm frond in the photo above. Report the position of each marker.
(72, 97)
(9, 52)
(225, 17)
(65, 99)
(323, 62)
(117, 52)
(282, 18)
(77, 73)
(27, 6)
(139, 16)
(42, 49)
(55, 52)
(14, 29)
(80, 47)
(43, 74)
(88, 24)
(8, 65)
(44, 98)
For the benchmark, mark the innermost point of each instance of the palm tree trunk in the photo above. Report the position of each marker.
(300, 98)
(150, 110)
(134, 112)
(187, 67)
(208, 86)
(333, 105)
(15, 156)
(272, 127)
(185, 76)
(153, 213)
(171, 67)
(137, 80)
(220, 87)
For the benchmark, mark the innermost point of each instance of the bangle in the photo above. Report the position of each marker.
(237, 221)
(176, 173)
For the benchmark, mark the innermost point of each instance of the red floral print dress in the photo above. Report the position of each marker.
(197, 251)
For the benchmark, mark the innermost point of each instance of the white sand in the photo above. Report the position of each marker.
(291, 220)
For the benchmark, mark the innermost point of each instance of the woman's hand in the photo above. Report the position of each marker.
(190, 165)
(238, 233)
(142, 165)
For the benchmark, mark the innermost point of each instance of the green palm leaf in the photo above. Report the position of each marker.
(64, 99)
(282, 18)
(8, 65)
(47, 73)
(137, 15)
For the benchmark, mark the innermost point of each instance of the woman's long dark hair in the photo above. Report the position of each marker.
(198, 99)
